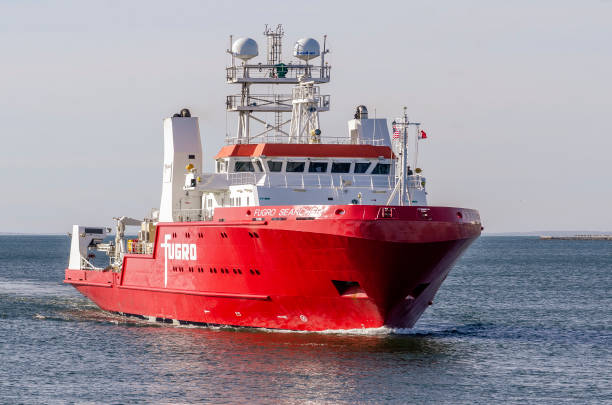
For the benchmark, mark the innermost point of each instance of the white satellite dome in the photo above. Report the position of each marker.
(245, 48)
(306, 49)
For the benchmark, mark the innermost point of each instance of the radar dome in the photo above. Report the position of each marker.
(245, 48)
(306, 49)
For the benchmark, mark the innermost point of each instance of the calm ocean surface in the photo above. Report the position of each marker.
(518, 320)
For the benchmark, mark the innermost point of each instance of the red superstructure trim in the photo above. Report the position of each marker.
(305, 150)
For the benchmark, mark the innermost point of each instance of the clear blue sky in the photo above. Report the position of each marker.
(516, 98)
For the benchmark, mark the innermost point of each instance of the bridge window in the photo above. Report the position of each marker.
(317, 167)
(259, 165)
(341, 167)
(361, 167)
(244, 167)
(275, 166)
(293, 167)
(381, 168)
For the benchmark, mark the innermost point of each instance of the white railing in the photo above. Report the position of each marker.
(271, 137)
(416, 181)
(288, 72)
(189, 215)
(255, 102)
(242, 178)
(303, 180)
(327, 180)
(271, 102)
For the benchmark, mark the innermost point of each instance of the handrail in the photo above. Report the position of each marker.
(327, 180)
(319, 180)
(275, 138)
(189, 214)
(271, 102)
(264, 71)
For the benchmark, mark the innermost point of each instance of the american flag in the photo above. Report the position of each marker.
(396, 133)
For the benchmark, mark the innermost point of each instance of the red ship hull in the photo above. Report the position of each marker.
(296, 267)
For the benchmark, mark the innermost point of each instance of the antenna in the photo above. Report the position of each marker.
(325, 50)
(274, 43)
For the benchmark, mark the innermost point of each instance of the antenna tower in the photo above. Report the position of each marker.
(250, 106)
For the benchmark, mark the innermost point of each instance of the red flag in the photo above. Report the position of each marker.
(422, 135)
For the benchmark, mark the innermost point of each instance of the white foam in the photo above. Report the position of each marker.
(32, 288)
(381, 331)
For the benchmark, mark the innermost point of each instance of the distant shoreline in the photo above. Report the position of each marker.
(556, 234)
(577, 237)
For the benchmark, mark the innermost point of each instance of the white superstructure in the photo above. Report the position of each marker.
(182, 147)
(260, 168)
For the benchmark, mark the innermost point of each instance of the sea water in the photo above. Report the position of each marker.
(518, 320)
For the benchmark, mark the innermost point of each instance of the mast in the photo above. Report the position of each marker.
(275, 47)
(402, 125)
(305, 114)
(253, 125)
(404, 173)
